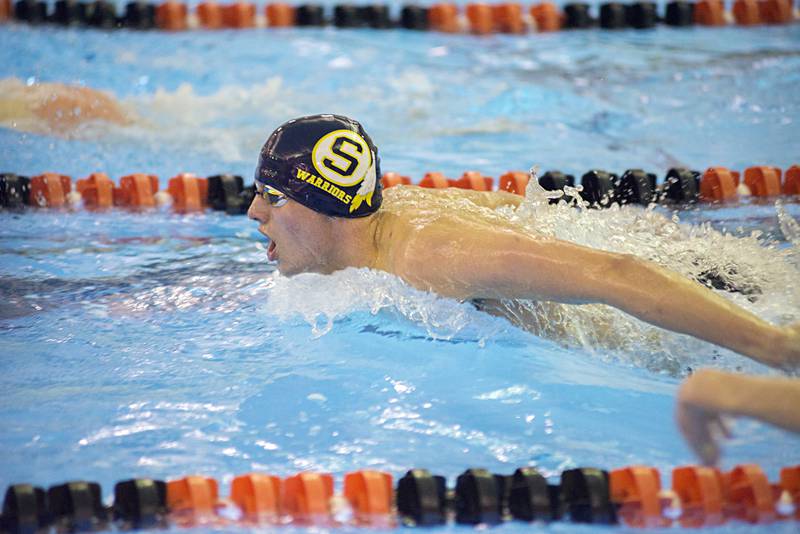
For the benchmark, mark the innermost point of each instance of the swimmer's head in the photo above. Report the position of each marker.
(327, 163)
(316, 177)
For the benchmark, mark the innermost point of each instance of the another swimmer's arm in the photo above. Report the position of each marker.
(709, 394)
(482, 262)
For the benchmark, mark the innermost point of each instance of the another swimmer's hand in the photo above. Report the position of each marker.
(707, 395)
(698, 413)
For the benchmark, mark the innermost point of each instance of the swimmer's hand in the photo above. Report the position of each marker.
(698, 419)
(708, 395)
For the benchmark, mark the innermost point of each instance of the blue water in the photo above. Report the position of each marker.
(161, 345)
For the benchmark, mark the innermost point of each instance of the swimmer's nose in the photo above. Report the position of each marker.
(258, 210)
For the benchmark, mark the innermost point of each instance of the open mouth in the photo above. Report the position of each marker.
(272, 253)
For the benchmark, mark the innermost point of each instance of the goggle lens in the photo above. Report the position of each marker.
(271, 195)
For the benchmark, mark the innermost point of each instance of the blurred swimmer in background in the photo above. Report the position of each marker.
(55, 108)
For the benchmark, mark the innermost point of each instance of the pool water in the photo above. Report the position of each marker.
(161, 345)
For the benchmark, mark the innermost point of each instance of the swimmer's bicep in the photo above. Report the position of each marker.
(521, 266)
(495, 263)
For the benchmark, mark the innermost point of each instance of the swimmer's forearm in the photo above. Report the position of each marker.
(774, 400)
(668, 300)
(504, 264)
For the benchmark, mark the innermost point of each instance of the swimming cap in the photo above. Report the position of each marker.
(325, 162)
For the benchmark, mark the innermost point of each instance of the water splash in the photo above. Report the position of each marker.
(322, 299)
(754, 273)
(788, 225)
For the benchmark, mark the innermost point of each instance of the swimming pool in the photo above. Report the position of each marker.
(161, 345)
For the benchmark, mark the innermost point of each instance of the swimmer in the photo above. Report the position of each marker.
(709, 395)
(55, 108)
(321, 204)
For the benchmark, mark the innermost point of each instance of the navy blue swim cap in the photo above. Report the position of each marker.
(325, 162)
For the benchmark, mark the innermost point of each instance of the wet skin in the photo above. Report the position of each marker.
(452, 242)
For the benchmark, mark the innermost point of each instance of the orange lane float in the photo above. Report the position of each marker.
(434, 180)
(791, 181)
(97, 191)
(547, 16)
(776, 11)
(748, 495)
(710, 13)
(700, 492)
(636, 490)
(210, 15)
(718, 183)
(188, 192)
(50, 190)
(258, 497)
(747, 12)
(508, 18)
(280, 15)
(790, 483)
(763, 181)
(136, 191)
(239, 15)
(5, 9)
(193, 500)
(391, 179)
(306, 497)
(443, 18)
(475, 181)
(172, 16)
(514, 182)
(370, 496)
(480, 18)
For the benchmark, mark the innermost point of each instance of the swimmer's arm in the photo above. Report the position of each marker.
(485, 262)
(709, 394)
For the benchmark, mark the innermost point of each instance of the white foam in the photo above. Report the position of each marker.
(322, 299)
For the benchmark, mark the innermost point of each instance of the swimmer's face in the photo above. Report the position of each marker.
(301, 239)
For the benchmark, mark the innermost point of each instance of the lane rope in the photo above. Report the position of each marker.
(475, 18)
(632, 496)
(187, 192)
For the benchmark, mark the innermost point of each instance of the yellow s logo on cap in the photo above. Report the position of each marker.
(342, 157)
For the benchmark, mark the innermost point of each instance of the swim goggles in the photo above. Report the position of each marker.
(273, 196)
